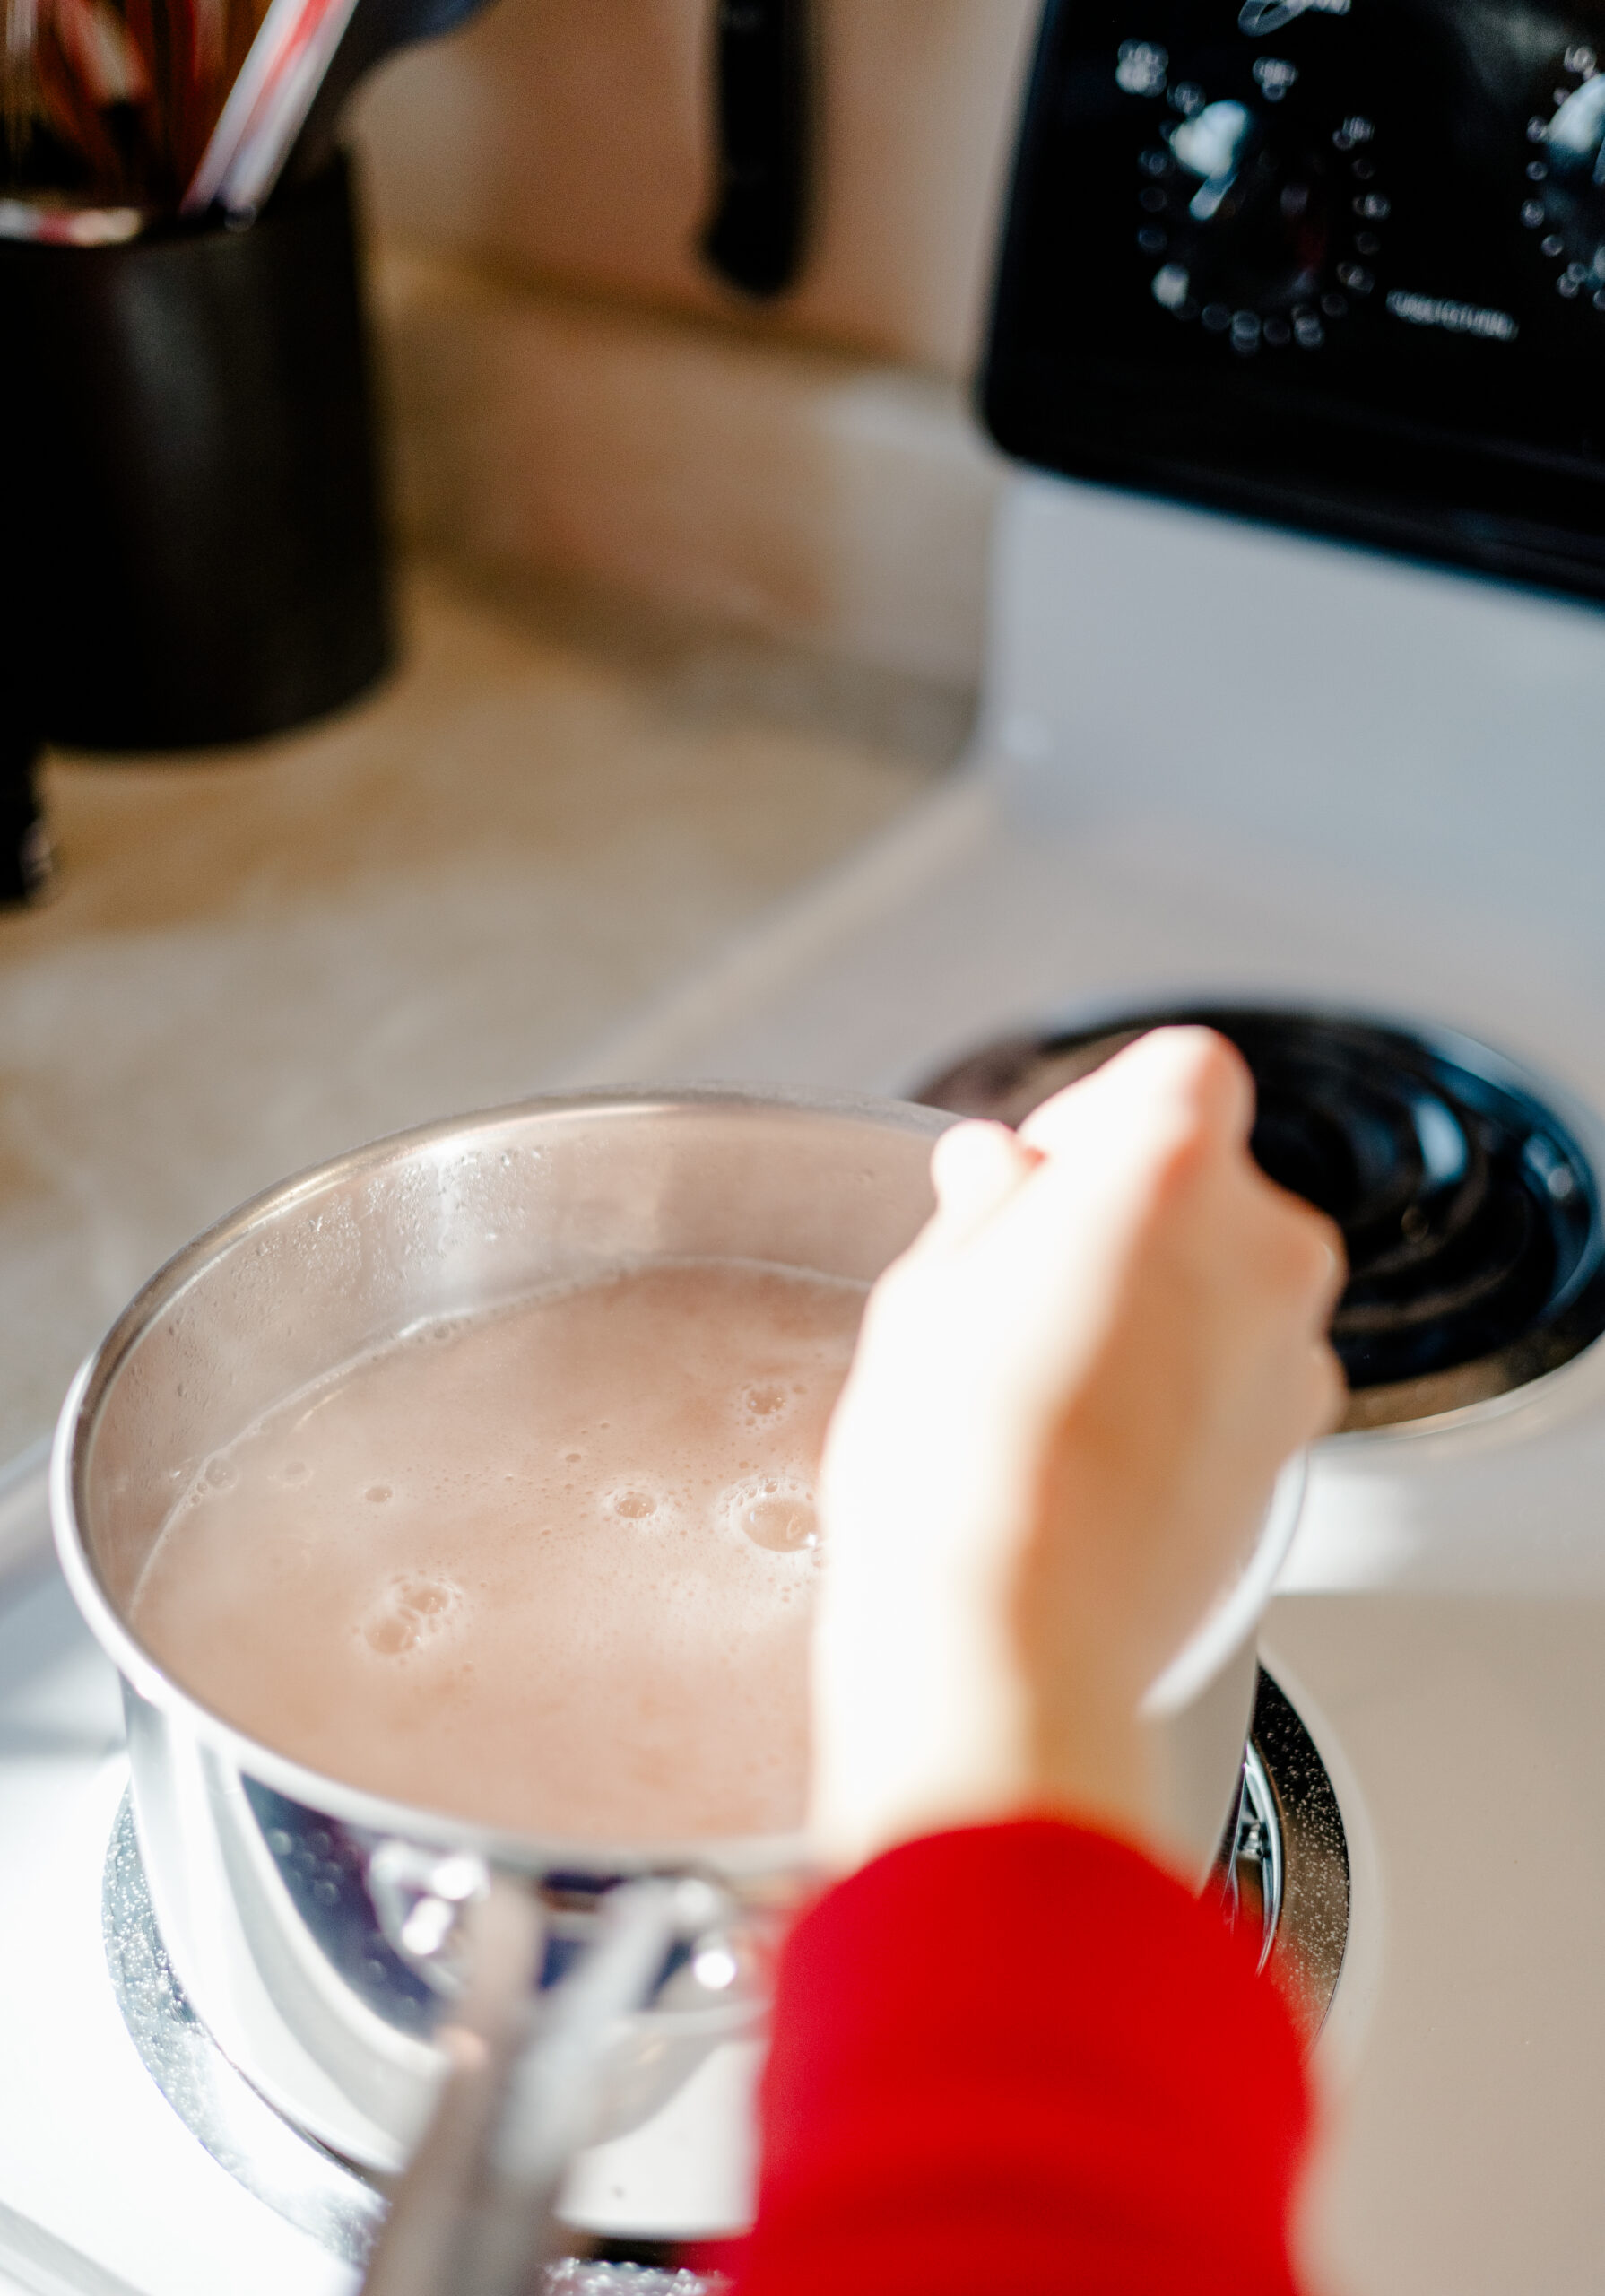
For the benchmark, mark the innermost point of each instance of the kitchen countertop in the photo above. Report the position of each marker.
(433, 902)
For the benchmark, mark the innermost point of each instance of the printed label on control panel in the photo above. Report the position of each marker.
(1459, 318)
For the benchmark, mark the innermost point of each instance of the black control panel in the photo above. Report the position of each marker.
(1336, 263)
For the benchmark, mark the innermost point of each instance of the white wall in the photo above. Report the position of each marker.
(575, 395)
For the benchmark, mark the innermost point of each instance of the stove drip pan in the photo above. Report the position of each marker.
(1284, 1862)
(1470, 1210)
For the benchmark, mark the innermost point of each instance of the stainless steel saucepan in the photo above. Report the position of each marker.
(318, 1929)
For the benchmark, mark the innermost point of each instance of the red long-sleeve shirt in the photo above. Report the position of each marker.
(1021, 2058)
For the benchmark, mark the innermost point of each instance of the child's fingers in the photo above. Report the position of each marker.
(1201, 1078)
(975, 1168)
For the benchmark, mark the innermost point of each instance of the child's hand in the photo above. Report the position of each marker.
(1070, 1402)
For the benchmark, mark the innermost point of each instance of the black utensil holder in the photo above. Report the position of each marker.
(192, 540)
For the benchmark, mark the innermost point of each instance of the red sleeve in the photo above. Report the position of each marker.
(1020, 2056)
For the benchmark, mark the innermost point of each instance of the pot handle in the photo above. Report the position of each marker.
(475, 2213)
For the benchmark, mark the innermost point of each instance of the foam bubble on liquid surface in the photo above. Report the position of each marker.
(410, 1611)
(634, 1505)
(550, 1570)
(776, 1512)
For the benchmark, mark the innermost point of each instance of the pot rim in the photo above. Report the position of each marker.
(750, 1858)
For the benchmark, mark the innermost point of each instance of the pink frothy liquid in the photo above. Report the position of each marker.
(549, 1568)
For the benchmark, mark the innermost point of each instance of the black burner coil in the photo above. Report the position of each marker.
(1470, 1213)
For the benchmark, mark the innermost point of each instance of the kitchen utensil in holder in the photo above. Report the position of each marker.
(195, 552)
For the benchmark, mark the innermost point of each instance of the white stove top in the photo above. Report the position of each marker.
(1213, 760)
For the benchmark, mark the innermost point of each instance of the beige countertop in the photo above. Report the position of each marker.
(434, 902)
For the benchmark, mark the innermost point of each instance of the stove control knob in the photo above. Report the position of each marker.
(1563, 190)
(1260, 215)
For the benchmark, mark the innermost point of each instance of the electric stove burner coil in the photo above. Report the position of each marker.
(1470, 1214)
